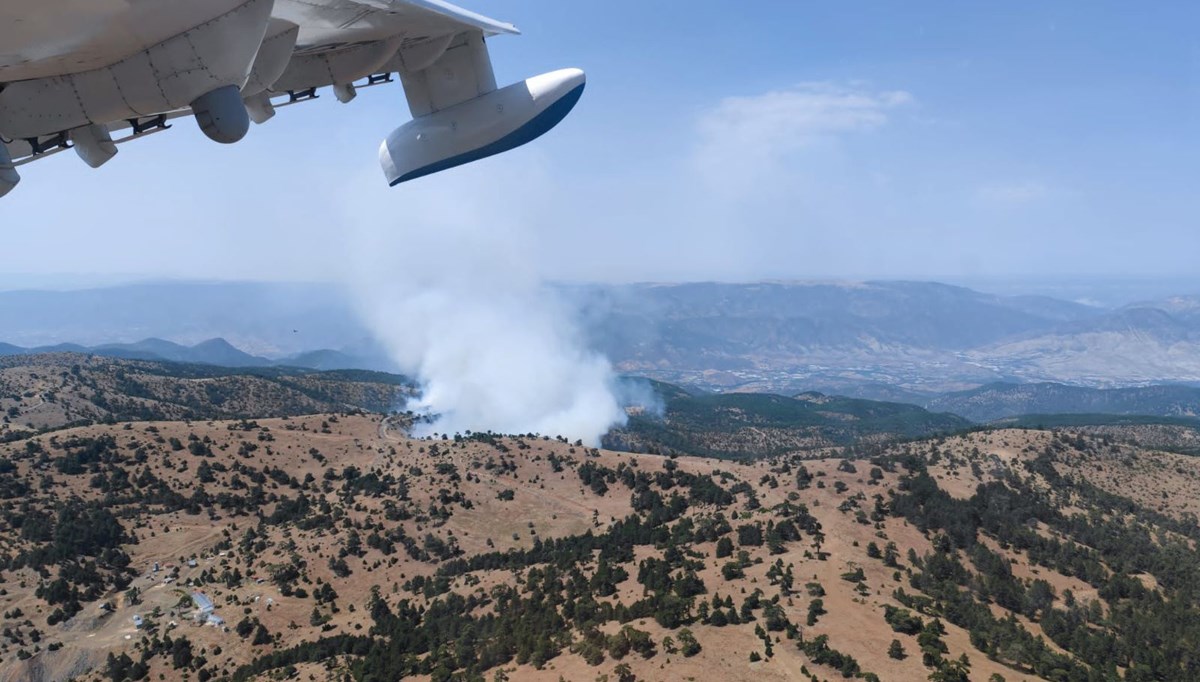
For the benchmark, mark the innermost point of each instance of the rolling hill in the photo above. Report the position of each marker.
(49, 391)
(334, 546)
(739, 425)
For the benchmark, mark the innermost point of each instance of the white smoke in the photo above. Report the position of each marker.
(446, 274)
(638, 394)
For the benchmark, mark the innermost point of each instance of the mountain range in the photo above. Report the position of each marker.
(885, 340)
(877, 408)
(268, 319)
(215, 351)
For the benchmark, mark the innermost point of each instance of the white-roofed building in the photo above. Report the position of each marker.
(203, 604)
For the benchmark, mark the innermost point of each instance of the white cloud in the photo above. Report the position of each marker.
(743, 139)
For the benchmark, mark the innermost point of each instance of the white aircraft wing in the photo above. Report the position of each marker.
(90, 75)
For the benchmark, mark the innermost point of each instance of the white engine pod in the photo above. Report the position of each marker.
(481, 127)
(222, 115)
(94, 144)
(9, 177)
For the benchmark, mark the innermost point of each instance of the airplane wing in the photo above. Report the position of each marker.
(90, 75)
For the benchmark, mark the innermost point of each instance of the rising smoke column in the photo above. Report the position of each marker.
(447, 278)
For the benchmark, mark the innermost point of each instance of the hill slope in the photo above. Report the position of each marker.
(52, 390)
(334, 545)
(736, 425)
(1000, 400)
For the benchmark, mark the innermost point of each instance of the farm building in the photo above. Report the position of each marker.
(203, 604)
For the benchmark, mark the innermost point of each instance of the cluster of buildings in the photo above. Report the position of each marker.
(205, 609)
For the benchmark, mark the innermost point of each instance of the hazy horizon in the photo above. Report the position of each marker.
(1101, 290)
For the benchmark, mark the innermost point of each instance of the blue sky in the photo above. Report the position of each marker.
(728, 141)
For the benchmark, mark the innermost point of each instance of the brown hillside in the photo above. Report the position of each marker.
(380, 510)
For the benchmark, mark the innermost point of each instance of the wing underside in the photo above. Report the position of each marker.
(94, 74)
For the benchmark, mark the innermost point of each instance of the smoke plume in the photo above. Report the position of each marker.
(448, 279)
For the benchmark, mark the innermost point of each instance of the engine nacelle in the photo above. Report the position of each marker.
(481, 127)
(222, 115)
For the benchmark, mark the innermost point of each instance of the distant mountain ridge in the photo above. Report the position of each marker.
(271, 319)
(998, 401)
(921, 337)
(217, 351)
(892, 340)
(806, 315)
